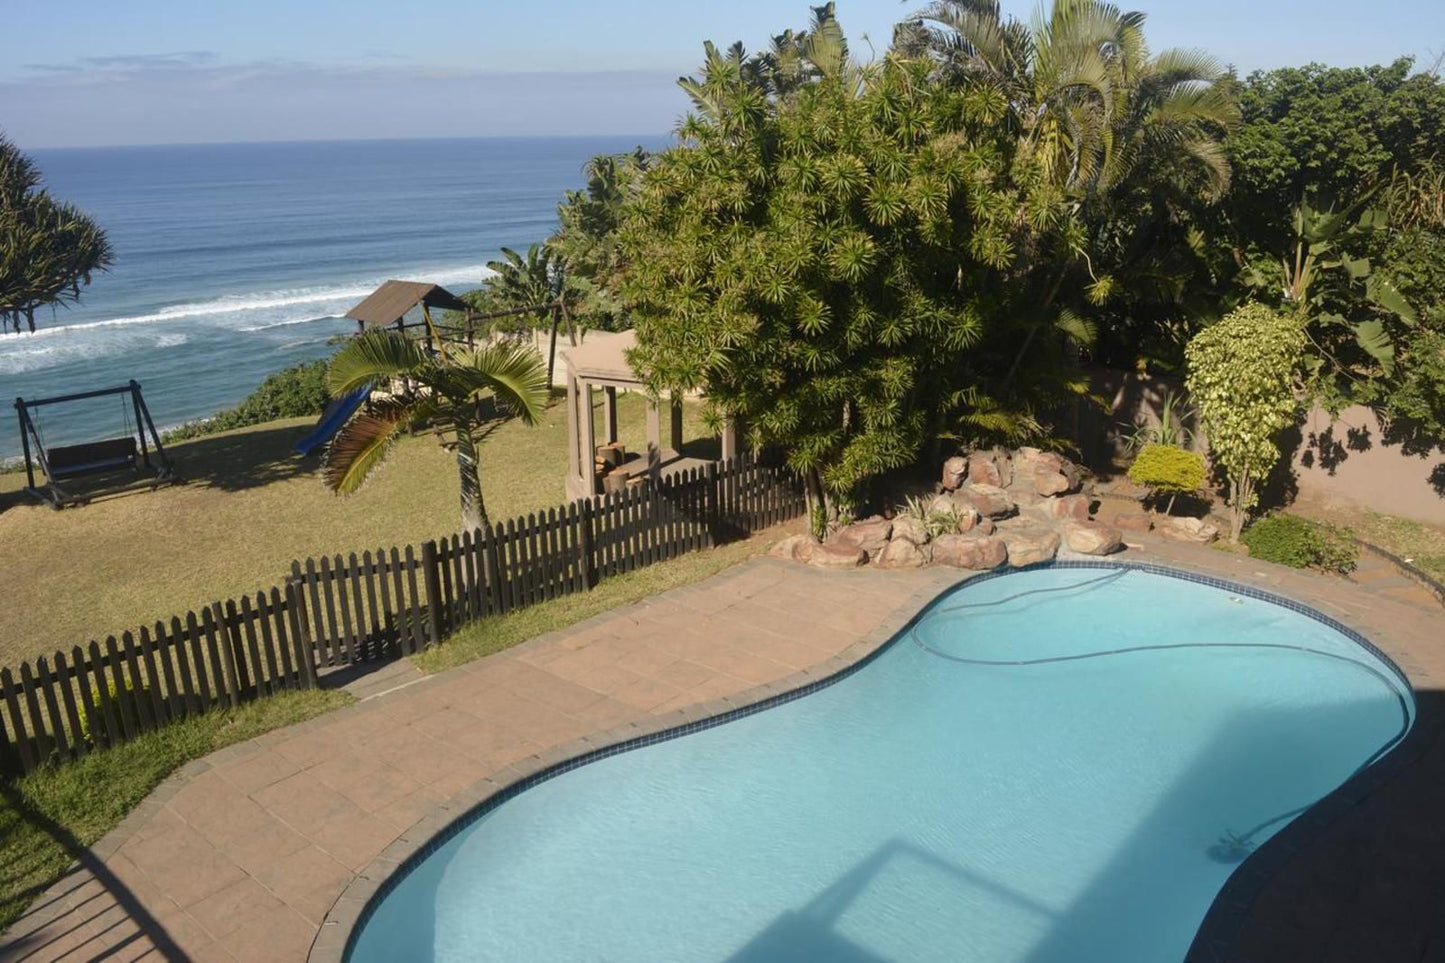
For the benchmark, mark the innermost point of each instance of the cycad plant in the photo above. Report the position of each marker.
(448, 390)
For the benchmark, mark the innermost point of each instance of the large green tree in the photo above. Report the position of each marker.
(587, 242)
(829, 254)
(1134, 141)
(49, 249)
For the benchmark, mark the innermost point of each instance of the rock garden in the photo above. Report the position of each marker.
(989, 509)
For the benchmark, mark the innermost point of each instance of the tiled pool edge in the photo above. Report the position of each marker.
(1212, 940)
(355, 904)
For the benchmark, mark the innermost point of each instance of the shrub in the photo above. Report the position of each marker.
(132, 694)
(1300, 543)
(1241, 380)
(292, 392)
(936, 521)
(1168, 470)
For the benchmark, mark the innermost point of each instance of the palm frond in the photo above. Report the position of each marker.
(361, 446)
(375, 355)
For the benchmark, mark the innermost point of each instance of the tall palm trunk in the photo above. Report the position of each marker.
(474, 510)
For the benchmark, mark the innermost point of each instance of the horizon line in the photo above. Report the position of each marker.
(341, 140)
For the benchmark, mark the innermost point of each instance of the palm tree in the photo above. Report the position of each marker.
(1081, 91)
(445, 390)
(538, 279)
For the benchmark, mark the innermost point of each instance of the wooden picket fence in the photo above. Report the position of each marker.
(343, 611)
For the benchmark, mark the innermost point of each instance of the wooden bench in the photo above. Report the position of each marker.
(70, 461)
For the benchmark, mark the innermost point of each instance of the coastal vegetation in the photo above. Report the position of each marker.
(49, 249)
(293, 392)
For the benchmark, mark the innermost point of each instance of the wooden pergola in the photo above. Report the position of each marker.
(602, 364)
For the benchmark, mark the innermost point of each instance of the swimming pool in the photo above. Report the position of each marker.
(1059, 764)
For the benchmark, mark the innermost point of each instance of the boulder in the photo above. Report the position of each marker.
(1184, 529)
(906, 526)
(1029, 546)
(871, 535)
(837, 556)
(1074, 507)
(977, 552)
(904, 553)
(1092, 538)
(988, 500)
(795, 548)
(985, 526)
(1132, 521)
(983, 469)
(969, 518)
(954, 472)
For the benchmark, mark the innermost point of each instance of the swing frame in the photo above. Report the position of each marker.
(91, 458)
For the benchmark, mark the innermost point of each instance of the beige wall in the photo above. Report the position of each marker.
(1347, 461)
(1348, 465)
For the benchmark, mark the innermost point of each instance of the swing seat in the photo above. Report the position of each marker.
(72, 461)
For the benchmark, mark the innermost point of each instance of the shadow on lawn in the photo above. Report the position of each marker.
(87, 914)
(250, 459)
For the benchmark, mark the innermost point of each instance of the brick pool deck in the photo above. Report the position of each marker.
(268, 849)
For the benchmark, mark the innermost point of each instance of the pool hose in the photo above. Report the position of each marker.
(1231, 847)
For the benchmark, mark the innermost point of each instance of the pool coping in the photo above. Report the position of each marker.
(1212, 941)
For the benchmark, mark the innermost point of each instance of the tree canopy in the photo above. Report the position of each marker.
(48, 249)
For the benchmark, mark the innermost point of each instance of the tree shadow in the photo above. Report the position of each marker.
(248, 459)
(1281, 486)
(72, 919)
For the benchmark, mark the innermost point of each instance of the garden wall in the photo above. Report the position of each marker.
(1347, 462)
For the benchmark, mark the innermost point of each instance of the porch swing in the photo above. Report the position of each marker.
(127, 452)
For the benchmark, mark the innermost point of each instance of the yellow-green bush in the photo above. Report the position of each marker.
(1168, 470)
(132, 693)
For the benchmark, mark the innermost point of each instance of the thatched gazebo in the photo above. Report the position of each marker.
(601, 363)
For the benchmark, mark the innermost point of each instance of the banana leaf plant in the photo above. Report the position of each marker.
(457, 391)
(1355, 313)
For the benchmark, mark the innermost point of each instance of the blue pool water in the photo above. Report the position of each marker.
(935, 805)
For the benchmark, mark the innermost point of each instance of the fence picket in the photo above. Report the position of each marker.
(67, 676)
(17, 722)
(376, 636)
(417, 640)
(32, 705)
(159, 703)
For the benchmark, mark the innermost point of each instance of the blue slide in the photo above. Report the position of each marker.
(336, 414)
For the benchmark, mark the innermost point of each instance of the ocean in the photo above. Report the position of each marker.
(236, 260)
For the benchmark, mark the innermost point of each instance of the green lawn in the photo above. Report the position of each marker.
(1420, 544)
(46, 816)
(248, 509)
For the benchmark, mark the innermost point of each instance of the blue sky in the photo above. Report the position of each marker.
(84, 72)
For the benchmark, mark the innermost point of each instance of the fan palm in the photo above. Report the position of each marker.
(446, 390)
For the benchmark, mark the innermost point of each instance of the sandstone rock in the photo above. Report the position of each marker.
(905, 526)
(1132, 521)
(871, 535)
(1092, 538)
(1195, 530)
(969, 518)
(904, 553)
(954, 472)
(985, 526)
(983, 469)
(1029, 546)
(795, 548)
(989, 500)
(1074, 507)
(977, 552)
(837, 556)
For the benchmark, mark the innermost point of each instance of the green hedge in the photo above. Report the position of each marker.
(293, 392)
(1300, 543)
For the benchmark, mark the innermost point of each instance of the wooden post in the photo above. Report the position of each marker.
(675, 424)
(433, 590)
(730, 440)
(609, 409)
(654, 440)
(588, 436)
(575, 460)
(586, 543)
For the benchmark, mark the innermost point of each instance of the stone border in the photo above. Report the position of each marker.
(336, 939)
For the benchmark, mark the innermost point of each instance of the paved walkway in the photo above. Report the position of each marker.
(243, 855)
